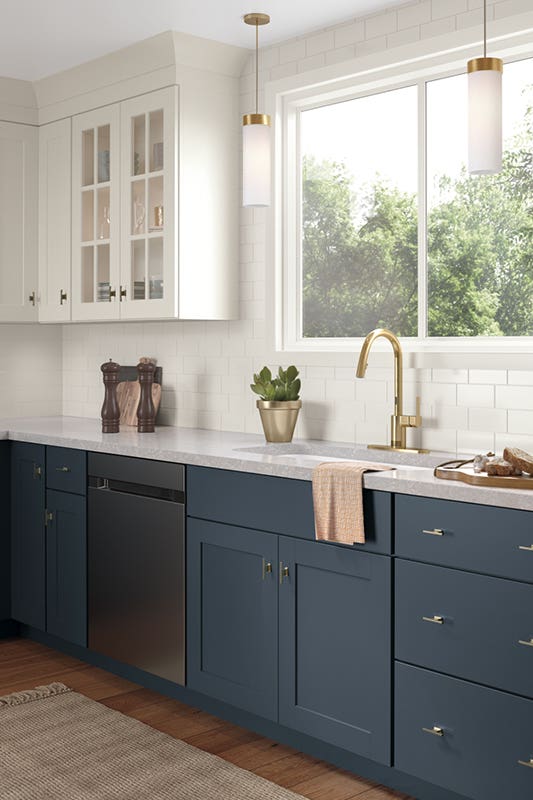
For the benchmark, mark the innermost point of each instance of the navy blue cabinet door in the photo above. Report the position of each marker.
(5, 538)
(28, 534)
(66, 567)
(335, 667)
(232, 603)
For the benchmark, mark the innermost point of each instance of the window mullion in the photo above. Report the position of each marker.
(422, 213)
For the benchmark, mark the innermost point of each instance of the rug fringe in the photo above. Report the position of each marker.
(38, 693)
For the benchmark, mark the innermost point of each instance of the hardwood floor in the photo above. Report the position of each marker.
(25, 664)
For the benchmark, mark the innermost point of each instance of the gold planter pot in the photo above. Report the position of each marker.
(278, 418)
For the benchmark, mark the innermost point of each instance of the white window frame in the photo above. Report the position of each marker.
(441, 57)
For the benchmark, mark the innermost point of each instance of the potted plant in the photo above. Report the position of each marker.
(280, 402)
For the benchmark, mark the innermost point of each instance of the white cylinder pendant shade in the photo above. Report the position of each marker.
(256, 166)
(485, 116)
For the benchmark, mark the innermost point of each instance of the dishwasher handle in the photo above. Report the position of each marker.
(139, 489)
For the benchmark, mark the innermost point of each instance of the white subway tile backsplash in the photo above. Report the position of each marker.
(520, 422)
(514, 397)
(447, 8)
(292, 51)
(477, 396)
(381, 25)
(450, 375)
(349, 34)
(414, 14)
(437, 27)
(487, 419)
(319, 43)
(474, 442)
(520, 377)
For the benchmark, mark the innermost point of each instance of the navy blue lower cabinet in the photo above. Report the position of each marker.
(5, 535)
(475, 741)
(335, 655)
(28, 534)
(66, 567)
(232, 607)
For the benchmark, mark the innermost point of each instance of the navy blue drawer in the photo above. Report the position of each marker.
(485, 734)
(66, 470)
(278, 505)
(479, 624)
(495, 541)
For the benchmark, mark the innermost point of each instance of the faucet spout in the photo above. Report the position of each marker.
(399, 422)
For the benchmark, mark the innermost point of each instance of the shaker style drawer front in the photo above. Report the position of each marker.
(494, 541)
(66, 470)
(243, 499)
(468, 739)
(470, 626)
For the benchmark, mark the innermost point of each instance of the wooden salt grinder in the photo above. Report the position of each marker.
(110, 407)
(146, 409)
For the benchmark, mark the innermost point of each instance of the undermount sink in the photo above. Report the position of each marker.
(317, 452)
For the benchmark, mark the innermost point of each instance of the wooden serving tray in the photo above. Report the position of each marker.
(466, 474)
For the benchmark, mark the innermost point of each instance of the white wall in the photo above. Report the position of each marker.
(469, 403)
(30, 370)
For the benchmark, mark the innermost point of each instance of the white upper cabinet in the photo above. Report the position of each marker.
(96, 214)
(18, 222)
(54, 221)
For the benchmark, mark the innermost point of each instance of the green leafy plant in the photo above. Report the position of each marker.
(286, 386)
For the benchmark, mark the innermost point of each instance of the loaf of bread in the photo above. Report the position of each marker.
(519, 459)
(503, 468)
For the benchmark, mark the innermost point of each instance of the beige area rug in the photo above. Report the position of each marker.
(56, 744)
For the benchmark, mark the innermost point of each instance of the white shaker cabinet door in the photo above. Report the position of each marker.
(149, 176)
(18, 222)
(96, 214)
(54, 221)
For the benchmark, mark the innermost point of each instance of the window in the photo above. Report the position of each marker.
(390, 229)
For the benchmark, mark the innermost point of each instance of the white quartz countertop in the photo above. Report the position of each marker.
(249, 453)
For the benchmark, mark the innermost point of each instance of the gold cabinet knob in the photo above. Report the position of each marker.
(283, 572)
(435, 730)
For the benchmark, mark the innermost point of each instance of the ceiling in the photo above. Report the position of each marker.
(39, 38)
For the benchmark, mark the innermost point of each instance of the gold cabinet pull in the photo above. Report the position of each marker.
(283, 572)
(122, 293)
(37, 471)
(112, 294)
(62, 297)
(62, 469)
(527, 644)
(435, 730)
(526, 763)
(435, 618)
(266, 568)
(32, 298)
(434, 532)
(526, 547)
(48, 517)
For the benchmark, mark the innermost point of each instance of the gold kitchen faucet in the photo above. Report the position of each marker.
(399, 421)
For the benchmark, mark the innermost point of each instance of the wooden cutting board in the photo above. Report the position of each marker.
(466, 474)
(128, 394)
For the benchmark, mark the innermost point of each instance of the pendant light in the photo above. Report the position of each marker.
(256, 138)
(484, 111)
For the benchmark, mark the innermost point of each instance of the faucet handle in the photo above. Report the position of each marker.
(412, 420)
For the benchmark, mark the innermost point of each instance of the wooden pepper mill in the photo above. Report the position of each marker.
(146, 409)
(110, 407)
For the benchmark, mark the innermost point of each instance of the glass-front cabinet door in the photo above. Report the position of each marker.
(149, 143)
(96, 214)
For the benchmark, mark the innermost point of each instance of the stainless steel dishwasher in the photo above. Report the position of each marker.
(136, 544)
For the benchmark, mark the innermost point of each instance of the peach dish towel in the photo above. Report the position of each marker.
(338, 500)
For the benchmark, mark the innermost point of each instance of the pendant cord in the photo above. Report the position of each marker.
(257, 67)
(484, 28)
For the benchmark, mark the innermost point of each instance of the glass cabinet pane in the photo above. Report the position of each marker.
(139, 145)
(87, 158)
(87, 216)
(103, 273)
(104, 153)
(87, 275)
(103, 214)
(155, 267)
(155, 204)
(156, 141)
(138, 269)
(138, 208)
